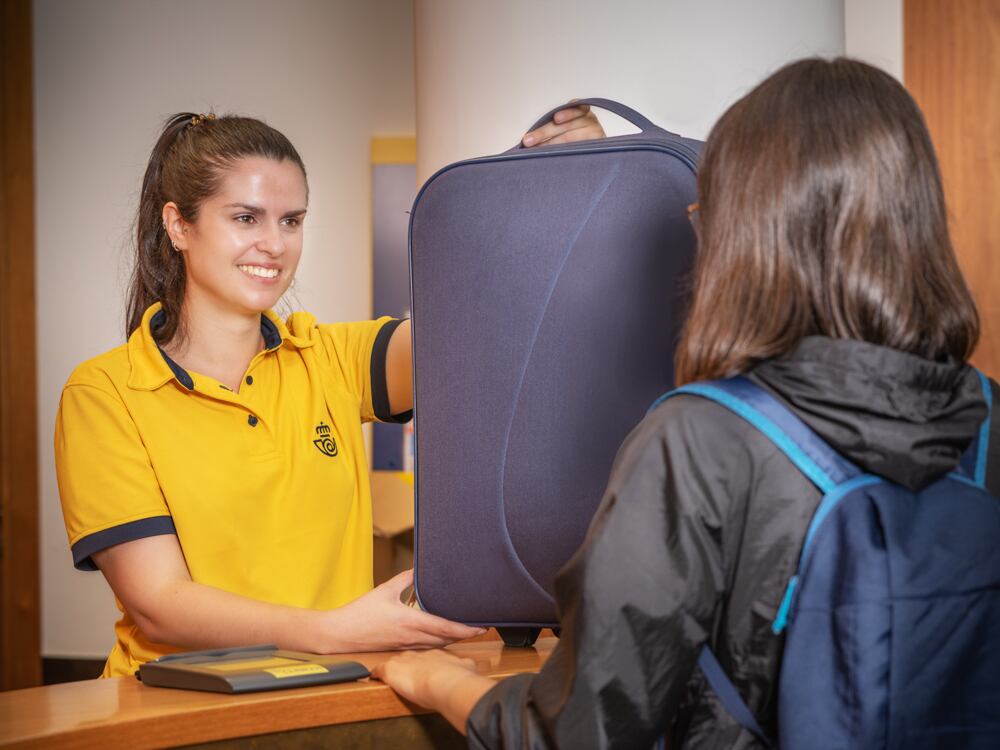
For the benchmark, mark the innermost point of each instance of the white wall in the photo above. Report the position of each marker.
(486, 69)
(330, 74)
(873, 31)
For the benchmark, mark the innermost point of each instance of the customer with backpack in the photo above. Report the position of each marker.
(827, 280)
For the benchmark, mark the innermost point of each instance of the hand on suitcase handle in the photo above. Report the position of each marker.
(640, 121)
(570, 124)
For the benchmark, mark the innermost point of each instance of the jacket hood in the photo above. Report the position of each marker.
(893, 414)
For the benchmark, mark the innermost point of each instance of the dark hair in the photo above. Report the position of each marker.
(185, 167)
(821, 213)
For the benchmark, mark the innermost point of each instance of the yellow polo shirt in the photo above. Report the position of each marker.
(267, 489)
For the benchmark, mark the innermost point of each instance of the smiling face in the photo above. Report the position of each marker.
(242, 250)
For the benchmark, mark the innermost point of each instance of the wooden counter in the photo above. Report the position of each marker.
(122, 712)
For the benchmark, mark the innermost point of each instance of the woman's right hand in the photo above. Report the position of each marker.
(380, 621)
(151, 579)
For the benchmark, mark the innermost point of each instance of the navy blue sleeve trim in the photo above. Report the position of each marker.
(380, 385)
(126, 532)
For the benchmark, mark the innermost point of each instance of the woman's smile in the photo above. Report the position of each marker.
(264, 274)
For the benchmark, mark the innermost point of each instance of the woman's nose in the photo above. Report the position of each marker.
(271, 240)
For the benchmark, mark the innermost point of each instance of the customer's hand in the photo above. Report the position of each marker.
(574, 123)
(408, 673)
(379, 621)
(437, 680)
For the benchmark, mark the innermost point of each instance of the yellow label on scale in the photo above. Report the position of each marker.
(297, 670)
(240, 665)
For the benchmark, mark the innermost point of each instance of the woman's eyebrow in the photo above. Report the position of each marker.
(247, 207)
(258, 211)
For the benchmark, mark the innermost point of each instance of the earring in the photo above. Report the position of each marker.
(292, 285)
(172, 243)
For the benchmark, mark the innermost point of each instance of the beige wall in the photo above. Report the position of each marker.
(330, 74)
(874, 33)
(485, 69)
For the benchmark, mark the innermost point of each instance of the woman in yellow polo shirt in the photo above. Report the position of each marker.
(213, 467)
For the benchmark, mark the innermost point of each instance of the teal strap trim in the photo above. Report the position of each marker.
(826, 506)
(828, 503)
(660, 400)
(774, 433)
(984, 431)
(832, 492)
(786, 604)
(965, 480)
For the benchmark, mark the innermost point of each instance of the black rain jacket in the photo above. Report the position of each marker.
(699, 530)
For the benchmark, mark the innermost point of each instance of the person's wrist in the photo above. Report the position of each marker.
(455, 691)
(446, 683)
(325, 635)
(441, 682)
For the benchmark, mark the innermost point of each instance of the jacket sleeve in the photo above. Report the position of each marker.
(636, 601)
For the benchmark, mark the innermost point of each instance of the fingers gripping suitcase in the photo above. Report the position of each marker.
(547, 296)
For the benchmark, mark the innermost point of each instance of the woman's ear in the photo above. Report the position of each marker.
(175, 226)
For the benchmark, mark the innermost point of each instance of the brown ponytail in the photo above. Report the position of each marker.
(185, 167)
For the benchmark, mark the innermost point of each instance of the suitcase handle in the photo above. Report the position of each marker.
(640, 121)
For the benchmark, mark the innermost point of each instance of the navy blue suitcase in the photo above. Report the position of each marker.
(547, 294)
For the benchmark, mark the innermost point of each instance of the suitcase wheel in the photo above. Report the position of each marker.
(519, 637)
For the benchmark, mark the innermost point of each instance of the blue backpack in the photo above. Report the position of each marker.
(892, 620)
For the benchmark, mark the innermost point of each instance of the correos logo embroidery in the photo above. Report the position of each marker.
(325, 442)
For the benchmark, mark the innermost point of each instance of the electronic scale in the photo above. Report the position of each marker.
(247, 669)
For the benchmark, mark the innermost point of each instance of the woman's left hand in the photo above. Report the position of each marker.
(437, 680)
(574, 123)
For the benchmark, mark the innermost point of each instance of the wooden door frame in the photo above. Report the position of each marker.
(20, 662)
(949, 66)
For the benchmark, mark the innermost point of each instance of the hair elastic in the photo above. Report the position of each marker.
(199, 119)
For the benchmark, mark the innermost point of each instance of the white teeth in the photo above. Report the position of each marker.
(264, 273)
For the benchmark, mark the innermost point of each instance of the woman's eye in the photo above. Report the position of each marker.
(245, 219)
(292, 221)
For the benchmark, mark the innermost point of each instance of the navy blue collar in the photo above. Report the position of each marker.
(270, 332)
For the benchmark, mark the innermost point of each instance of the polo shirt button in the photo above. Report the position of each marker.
(252, 420)
(249, 379)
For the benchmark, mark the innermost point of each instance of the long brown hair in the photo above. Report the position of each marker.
(185, 167)
(821, 213)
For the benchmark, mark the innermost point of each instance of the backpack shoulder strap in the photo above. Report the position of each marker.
(729, 696)
(805, 449)
(973, 462)
(824, 467)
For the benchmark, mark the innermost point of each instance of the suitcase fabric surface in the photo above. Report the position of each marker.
(547, 292)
